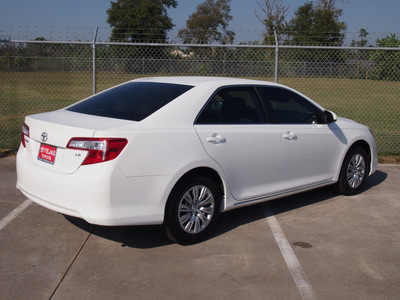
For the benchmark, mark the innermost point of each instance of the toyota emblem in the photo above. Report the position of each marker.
(44, 136)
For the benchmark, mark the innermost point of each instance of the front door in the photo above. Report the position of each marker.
(310, 147)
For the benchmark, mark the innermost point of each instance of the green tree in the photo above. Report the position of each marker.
(317, 24)
(299, 29)
(387, 62)
(209, 24)
(140, 20)
(362, 34)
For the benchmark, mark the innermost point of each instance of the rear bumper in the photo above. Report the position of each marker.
(101, 194)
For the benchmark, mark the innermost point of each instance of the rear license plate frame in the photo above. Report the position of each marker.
(47, 154)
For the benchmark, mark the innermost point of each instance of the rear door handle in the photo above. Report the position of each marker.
(290, 136)
(216, 139)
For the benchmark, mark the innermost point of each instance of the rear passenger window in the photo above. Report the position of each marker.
(234, 105)
(287, 107)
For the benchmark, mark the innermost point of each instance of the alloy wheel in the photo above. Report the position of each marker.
(356, 171)
(196, 209)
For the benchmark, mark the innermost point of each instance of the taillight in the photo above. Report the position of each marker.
(25, 132)
(100, 149)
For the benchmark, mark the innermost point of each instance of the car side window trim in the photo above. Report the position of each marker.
(265, 106)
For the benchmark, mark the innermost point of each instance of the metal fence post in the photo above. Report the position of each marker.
(276, 56)
(94, 60)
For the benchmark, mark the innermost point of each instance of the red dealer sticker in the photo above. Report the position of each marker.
(47, 153)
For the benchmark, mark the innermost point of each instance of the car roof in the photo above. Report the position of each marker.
(198, 80)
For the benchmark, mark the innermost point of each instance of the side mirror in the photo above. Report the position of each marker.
(330, 117)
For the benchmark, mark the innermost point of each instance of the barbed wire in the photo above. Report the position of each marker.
(248, 36)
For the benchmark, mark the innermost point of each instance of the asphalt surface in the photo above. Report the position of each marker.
(316, 245)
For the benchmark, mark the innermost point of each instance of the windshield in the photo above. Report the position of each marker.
(132, 101)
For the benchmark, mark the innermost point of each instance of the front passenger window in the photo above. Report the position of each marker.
(287, 107)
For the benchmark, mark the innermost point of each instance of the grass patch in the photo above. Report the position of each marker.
(389, 159)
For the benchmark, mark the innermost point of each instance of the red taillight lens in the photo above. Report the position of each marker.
(24, 132)
(99, 149)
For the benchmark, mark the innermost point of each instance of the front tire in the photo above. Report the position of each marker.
(354, 171)
(192, 210)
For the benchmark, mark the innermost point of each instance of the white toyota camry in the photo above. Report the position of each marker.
(177, 151)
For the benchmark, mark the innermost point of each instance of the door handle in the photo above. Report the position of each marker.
(290, 136)
(216, 139)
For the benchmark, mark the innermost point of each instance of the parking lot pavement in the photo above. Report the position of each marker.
(10, 197)
(347, 247)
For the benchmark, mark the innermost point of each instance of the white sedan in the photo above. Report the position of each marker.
(177, 151)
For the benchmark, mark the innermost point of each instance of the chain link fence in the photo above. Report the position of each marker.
(359, 83)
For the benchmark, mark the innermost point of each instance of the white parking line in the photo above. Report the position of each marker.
(292, 262)
(12, 215)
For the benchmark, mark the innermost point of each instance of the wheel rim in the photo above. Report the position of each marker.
(196, 209)
(356, 171)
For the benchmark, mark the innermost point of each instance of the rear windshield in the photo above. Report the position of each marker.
(131, 101)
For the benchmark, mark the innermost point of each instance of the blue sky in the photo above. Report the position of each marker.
(79, 18)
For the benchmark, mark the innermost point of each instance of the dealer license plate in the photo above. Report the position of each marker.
(47, 154)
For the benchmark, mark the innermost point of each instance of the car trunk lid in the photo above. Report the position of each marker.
(49, 134)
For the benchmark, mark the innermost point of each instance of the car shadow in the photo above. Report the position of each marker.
(141, 237)
(146, 237)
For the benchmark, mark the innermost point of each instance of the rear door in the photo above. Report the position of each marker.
(235, 133)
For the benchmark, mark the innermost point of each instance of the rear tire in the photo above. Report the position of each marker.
(354, 171)
(192, 210)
